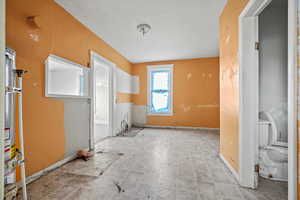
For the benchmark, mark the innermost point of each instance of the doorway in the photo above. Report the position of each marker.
(250, 85)
(102, 99)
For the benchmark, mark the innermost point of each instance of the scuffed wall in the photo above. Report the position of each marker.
(195, 94)
(229, 88)
(60, 34)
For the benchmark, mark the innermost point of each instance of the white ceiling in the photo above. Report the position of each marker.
(181, 29)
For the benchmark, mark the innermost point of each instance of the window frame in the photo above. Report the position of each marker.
(155, 68)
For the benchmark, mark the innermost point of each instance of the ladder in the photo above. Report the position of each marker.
(13, 157)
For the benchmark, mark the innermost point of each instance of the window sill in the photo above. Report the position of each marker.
(160, 114)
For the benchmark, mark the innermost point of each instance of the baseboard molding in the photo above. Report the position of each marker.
(56, 165)
(177, 127)
(231, 169)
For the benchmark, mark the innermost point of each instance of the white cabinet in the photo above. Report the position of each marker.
(65, 78)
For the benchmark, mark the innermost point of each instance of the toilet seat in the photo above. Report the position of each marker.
(273, 154)
(277, 119)
(273, 163)
(277, 153)
(277, 148)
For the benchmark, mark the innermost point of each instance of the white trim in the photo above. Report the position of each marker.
(112, 96)
(292, 99)
(45, 171)
(231, 169)
(178, 127)
(114, 100)
(248, 144)
(52, 56)
(60, 59)
(67, 96)
(153, 68)
(248, 92)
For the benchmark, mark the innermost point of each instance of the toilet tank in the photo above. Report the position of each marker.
(263, 132)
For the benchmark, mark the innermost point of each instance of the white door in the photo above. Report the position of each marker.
(101, 99)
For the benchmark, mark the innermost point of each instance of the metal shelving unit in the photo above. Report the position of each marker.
(12, 155)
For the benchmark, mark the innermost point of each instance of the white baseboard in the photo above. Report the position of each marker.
(178, 127)
(231, 169)
(37, 175)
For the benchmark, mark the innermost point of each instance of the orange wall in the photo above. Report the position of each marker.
(229, 88)
(123, 98)
(196, 93)
(64, 36)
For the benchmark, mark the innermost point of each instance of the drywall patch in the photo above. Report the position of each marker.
(185, 108)
(227, 40)
(33, 36)
(207, 106)
(35, 84)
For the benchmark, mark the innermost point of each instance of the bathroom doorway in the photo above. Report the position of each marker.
(273, 93)
(267, 46)
(102, 98)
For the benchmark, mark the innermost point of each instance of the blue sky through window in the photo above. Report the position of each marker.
(160, 91)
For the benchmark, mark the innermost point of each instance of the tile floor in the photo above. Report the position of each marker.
(157, 164)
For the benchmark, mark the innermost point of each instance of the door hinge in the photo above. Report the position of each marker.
(256, 168)
(257, 45)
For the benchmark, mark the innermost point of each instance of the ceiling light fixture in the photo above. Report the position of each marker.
(144, 28)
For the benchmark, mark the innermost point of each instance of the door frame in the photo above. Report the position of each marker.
(292, 98)
(248, 80)
(248, 91)
(112, 95)
(2, 94)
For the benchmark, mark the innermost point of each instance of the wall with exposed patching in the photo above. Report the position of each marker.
(195, 94)
(229, 79)
(60, 34)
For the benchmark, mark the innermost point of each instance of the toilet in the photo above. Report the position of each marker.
(273, 151)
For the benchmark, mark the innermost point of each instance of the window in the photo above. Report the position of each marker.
(160, 90)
